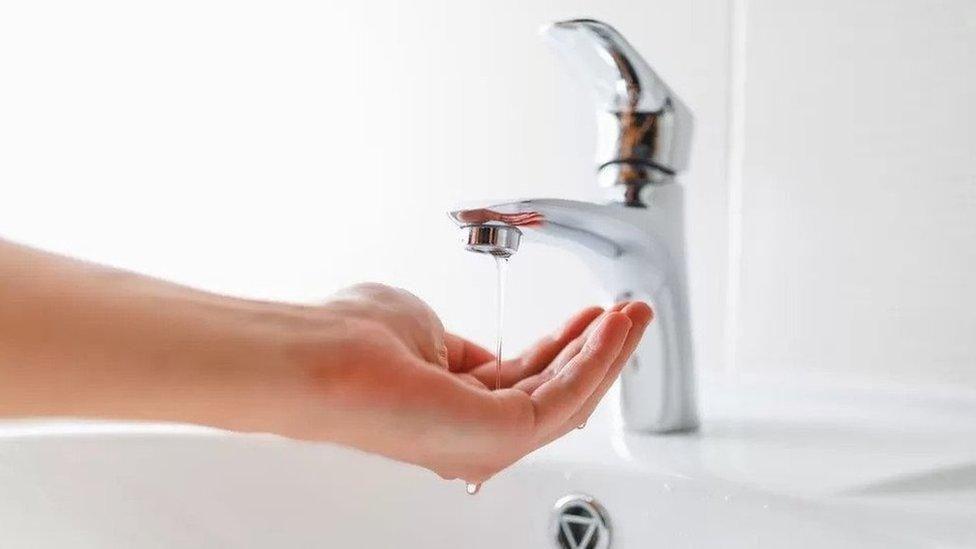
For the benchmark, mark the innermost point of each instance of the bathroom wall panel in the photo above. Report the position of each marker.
(859, 190)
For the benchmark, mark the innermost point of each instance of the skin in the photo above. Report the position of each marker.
(372, 368)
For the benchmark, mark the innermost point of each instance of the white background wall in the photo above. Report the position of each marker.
(281, 150)
(858, 190)
(284, 149)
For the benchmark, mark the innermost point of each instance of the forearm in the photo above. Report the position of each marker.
(82, 340)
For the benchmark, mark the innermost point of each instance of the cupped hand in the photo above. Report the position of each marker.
(373, 368)
(384, 376)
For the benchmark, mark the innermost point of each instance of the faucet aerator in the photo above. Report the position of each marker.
(496, 240)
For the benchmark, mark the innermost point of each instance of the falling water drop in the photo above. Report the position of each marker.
(472, 488)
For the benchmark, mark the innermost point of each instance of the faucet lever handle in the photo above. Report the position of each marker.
(645, 129)
(601, 56)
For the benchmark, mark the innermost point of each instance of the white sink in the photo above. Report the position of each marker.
(773, 466)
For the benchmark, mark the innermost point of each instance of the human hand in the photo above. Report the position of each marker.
(383, 376)
(372, 368)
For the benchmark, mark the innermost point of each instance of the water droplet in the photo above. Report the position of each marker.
(727, 498)
(472, 488)
(667, 487)
(765, 506)
(581, 425)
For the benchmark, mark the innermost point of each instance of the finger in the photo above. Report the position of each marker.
(436, 332)
(430, 336)
(641, 315)
(568, 352)
(411, 319)
(463, 355)
(619, 306)
(537, 357)
(471, 380)
(428, 330)
(558, 399)
(546, 349)
(533, 382)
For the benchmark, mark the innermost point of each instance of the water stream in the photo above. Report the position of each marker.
(501, 270)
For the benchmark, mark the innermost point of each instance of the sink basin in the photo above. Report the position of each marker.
(773, 465)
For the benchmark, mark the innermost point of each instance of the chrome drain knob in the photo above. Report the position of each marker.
(579, 522)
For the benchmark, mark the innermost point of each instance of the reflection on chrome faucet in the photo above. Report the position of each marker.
(635, 244)
(644, 128)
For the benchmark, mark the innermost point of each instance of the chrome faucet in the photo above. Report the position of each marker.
(636, 243)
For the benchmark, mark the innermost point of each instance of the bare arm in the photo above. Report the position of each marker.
(78, 339)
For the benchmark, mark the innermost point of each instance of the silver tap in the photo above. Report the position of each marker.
(635, 244)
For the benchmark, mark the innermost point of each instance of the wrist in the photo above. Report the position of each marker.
(263, 363)
(236, 364)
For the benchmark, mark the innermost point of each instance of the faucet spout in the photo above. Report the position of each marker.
(564, 223)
